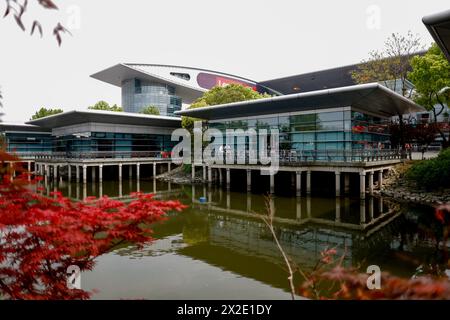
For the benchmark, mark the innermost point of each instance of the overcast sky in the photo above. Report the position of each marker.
(257, 39)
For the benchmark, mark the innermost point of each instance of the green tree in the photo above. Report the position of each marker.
(103, 105)
(430, 74)
(44, 112)
(153, 110)
(221, 95)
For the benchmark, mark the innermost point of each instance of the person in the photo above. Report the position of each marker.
(408, 150)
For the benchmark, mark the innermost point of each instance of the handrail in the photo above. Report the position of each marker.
(284, 156)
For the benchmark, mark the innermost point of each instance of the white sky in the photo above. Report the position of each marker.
(257, 39)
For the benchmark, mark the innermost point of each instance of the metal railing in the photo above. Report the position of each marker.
(368, 155)
(290, 157)
(93, 155)
(285, 156)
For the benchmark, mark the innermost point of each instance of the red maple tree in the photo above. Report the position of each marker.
(40, 237)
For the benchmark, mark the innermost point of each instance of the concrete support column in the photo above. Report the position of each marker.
(371, 215)
(193, 172)
(371, 182)
(100, 173)
(84, 191)
(29, 170)
(77, 173)
(380, 179)
(272, 183)
(130, 172)
(338, 183)
(93, 173)
(169, 167)
(308, 207)
(298, 209)
(249, 202)
(228, 178)
(154, 169)
(308, 182)
(249, 180)
(120, 171)
(84, 174)
(209, 175)
(69, 172)
(55, 172)
(138, 171)
(362, 185)
(346, 183)
(204, 173)
(338, 210)
(362, 211)
(220, 176)
(298, 183)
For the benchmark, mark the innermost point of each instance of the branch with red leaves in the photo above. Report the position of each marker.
(40, 237)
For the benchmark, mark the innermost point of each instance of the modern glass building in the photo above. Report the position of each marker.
(109, 134)
(25, 140)
(168, 88)
(138, 94)
(322, 125)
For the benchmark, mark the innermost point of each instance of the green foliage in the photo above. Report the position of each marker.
(103, 105)
(152, 110)
(44, 112)
(430, 73)
(433, 173)
(221, 95)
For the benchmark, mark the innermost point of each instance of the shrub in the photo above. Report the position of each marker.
(433, 173)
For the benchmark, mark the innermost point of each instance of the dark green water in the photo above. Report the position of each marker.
(222, 249)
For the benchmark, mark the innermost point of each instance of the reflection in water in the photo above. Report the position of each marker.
(222, 249)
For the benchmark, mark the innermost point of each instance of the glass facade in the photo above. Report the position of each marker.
(320, 131)
(138, 94)
(113, 142)
(29, 142)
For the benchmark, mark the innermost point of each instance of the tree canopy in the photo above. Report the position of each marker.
(103, 105)
(430, 74)
(44, 112)
(221, 95)
(153, 110)
(391, 63)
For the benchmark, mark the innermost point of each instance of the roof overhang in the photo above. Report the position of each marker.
(115, 75)
(16, 127)
(372, 97)
(76, 117)
(438, 25)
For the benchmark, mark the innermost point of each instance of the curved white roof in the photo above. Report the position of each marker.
(190, 83)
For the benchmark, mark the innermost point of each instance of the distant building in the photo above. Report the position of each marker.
(166, 87)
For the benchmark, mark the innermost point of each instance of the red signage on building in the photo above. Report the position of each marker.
(208, 81)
